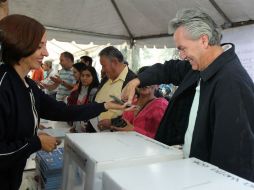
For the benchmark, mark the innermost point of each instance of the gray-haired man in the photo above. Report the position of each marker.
(211, 113)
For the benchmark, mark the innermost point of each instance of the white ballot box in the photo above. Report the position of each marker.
(191, 174)
(87, 155)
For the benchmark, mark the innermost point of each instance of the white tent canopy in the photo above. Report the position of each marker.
(116, 21)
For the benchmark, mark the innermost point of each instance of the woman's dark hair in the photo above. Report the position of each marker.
(20, 37)
(95, 81)
(79, 66)
(88, 59)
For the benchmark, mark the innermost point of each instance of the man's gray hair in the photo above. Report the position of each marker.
(112, 52)
(49, 63)
(197, 23)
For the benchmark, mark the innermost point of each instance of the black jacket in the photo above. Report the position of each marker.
(223, 133)
(18, 138)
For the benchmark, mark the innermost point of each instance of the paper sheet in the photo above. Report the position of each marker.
(94, 122)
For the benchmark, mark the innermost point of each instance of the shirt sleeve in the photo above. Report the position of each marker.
(58, 111)
(172, 71)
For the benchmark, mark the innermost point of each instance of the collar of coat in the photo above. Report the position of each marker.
(218, 63)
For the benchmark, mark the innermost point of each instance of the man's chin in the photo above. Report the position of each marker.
(194, 67)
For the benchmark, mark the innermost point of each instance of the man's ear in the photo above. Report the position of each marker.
(114, 61)
(204, 40)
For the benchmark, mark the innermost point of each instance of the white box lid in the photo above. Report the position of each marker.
(191, 174)
(112, 146)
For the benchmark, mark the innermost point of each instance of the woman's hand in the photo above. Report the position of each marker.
(128, 127)
(128, 91)
(48, 143)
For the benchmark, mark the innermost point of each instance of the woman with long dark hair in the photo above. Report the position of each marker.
(87, 88)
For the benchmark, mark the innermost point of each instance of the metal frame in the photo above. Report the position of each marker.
(152, 36)
(124, 22)
(88, 33)
(228, 24)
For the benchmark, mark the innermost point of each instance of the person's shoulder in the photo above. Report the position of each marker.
(233, 72)
(31, 83)
(131, 73)
(4, 76)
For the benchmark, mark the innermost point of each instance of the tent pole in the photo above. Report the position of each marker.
(131, 38)
(111, 36)
(220, 11)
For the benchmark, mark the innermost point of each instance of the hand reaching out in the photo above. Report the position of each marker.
(128, 91)
(48, 143)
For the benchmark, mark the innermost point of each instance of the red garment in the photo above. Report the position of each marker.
(37, 74)
(148, 119)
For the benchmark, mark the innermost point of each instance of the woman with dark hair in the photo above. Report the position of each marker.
(22, 103)
(76, 69)
(89, 80)
(87, 88)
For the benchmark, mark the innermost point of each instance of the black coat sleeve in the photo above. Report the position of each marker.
(58, 111)
(172, 71)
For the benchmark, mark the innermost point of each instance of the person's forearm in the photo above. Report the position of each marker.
(67, 85)
(51, 86)
(172, 71)
(4, 8)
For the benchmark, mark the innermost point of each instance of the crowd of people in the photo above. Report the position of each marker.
(210, 113)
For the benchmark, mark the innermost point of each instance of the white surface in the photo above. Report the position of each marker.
(28, 182)
(94, 122)
(106, 147)
(56, 129)
(184, 174)
(244, 45)
(87, 155)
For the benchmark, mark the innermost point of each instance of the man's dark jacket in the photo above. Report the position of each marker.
(224, 128)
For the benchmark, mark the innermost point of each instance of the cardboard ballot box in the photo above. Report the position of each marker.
(191, 174)
(49, 166)
(86, 156)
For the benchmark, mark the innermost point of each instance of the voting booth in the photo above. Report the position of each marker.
(191, 174)
(86, 156)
